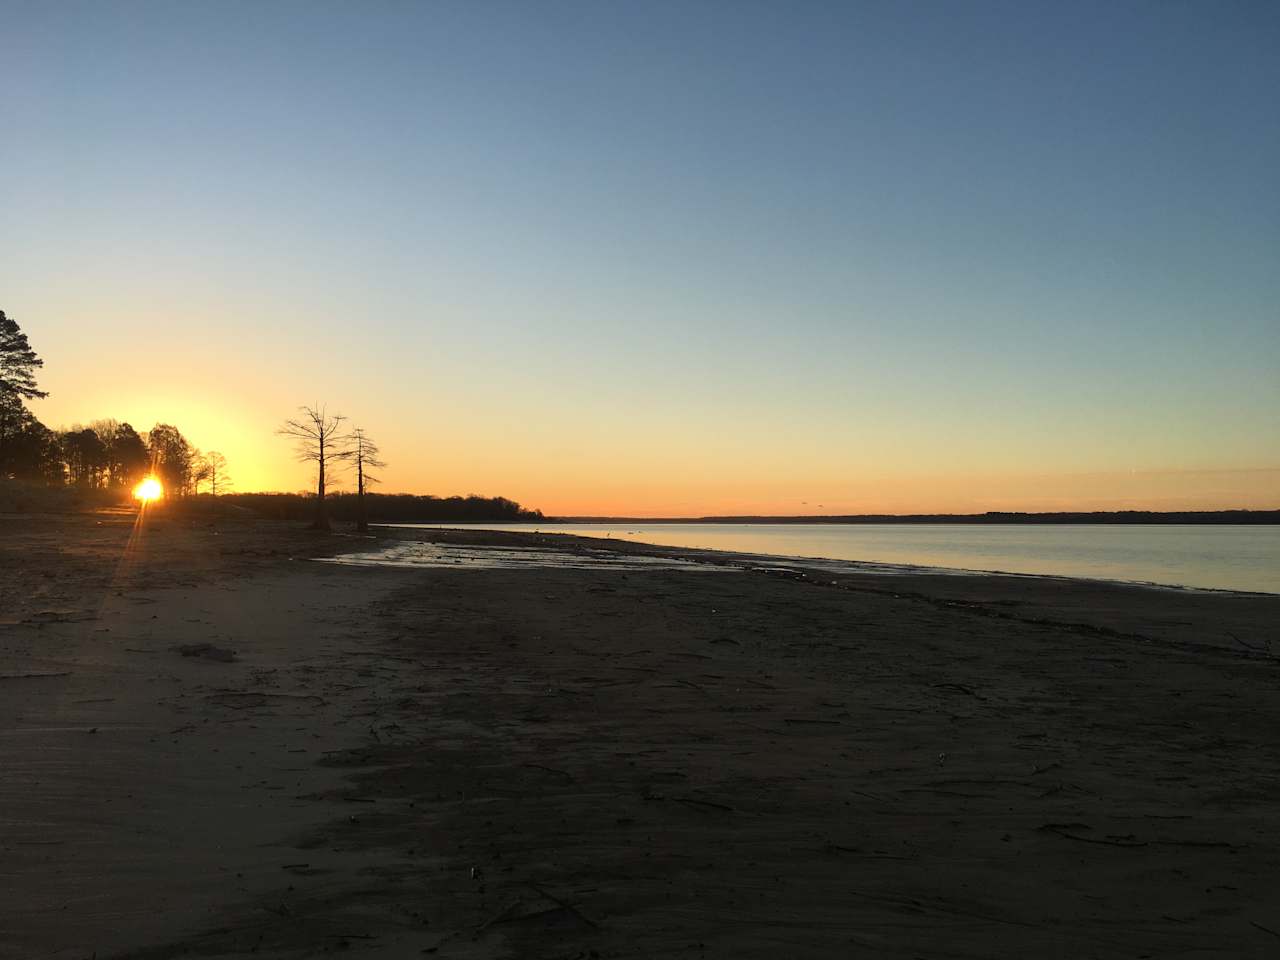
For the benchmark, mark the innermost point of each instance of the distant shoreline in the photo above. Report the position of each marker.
(1144, 517)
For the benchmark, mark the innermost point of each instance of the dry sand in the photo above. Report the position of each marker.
(214, 747)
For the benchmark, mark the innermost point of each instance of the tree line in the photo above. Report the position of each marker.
(384, 507)
(112, 455)
(102, 455)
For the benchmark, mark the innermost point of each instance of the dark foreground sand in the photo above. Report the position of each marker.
(579, 763)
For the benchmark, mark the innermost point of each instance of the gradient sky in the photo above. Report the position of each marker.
(666, 258)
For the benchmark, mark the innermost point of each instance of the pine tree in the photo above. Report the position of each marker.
(18, 362)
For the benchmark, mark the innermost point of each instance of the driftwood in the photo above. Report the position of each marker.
(33, 676)
(1061, 830)
(1264, 929)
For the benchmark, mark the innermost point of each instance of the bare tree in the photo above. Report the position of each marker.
(214, 469)
(199, 472)
(366, 454)
(320, 440)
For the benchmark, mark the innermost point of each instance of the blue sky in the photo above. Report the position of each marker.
(685, 255)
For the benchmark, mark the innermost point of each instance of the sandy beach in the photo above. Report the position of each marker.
(215, 746)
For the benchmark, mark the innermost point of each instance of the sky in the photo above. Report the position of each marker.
(666, 258)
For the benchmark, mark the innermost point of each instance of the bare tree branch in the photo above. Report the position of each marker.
(319, 439)
(366, 454)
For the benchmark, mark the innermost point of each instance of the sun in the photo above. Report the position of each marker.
(148, 490)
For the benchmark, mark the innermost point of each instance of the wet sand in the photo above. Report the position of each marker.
(219, 748)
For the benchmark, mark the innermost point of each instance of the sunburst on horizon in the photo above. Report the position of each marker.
(148, 490)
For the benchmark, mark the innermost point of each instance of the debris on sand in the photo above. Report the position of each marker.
(33, 676)
(207, 651)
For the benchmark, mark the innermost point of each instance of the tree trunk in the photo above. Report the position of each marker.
(362, 524)
(321, 521)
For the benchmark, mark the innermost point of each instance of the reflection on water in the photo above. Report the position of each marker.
(410, 554)
(1207, 556)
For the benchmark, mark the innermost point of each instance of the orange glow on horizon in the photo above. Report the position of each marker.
(596, 470)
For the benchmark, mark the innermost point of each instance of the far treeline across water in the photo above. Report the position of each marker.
(1110, 516)
(385, 507)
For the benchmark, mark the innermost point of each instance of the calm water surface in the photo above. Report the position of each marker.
(1218, 557)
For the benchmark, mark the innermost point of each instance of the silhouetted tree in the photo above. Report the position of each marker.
(214, 469)
(319, 440)
(387, 507)
(18, 363)
(14, 421)
(366, 455)
(85, 455)
(170, 458)
(31, 452)
(127, 456)
(112, 433)
(199, 470)
(104, 453)
(106, 429)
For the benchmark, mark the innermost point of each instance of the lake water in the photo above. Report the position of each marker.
(1206, 556)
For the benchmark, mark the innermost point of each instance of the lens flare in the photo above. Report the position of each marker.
(148, 490)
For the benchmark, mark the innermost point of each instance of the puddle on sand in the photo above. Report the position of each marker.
(412, 554)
